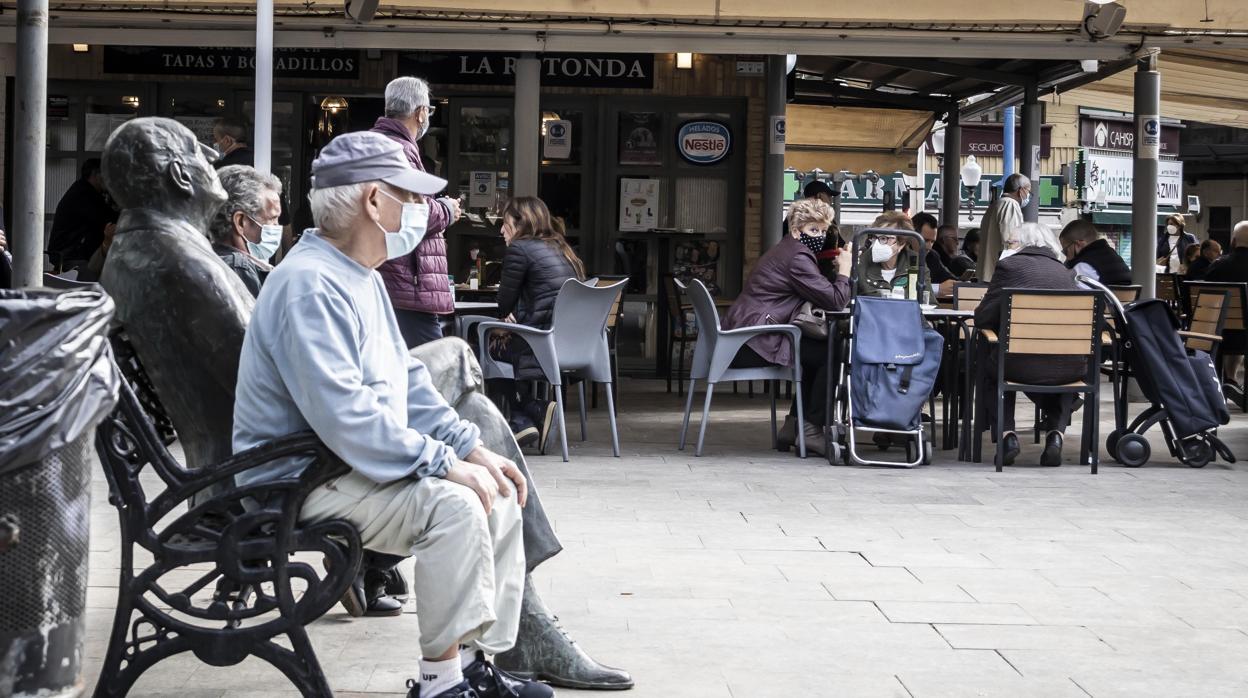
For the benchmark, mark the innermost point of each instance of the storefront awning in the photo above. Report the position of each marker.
(1196, 85)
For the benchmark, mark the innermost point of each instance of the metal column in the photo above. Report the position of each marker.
(1144, 174)
(29, 143)
(1029, 155)
(773, 165)
(262, 139)
(951, 175)
(527, 135)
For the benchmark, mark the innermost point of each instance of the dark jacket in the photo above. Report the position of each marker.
(1163, 245)
(1030, 268)
(533, 273)
(1199, 267)
(243, 264)
(782, 280)
(78, 225)
(937, 271)
(1110, 269)
(419, 280)
(1231, 268)
(958, 264)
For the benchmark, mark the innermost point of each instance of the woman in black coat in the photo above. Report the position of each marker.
(1031, 260)
(538, 262)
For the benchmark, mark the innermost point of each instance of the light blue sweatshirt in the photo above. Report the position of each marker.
(323, 352)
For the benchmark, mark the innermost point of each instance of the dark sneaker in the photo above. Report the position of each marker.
(491, 682)
(523, 429)
(459, 690)
(547, 422)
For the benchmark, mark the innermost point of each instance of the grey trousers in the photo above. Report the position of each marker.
(457, 376)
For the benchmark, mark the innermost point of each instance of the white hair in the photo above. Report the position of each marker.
(1034, 235)
(334, 207)
(405, 95)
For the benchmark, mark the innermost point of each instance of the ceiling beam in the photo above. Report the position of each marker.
(1014, 95)
(888, 78)
(957, 70)
(913, 102)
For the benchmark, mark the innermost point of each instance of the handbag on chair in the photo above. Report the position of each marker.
(810, 320)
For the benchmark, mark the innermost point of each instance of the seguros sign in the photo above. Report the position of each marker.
(704, 142)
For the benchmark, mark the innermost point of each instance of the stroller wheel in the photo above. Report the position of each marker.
(927, 453)
(1197, 453)
(836, 456)
(1111, 443)
(1132, 450)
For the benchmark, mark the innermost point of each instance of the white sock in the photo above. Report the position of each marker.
(467, 655)
(437, 677)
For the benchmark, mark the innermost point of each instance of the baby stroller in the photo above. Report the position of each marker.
(894, 359)
(1183, 390)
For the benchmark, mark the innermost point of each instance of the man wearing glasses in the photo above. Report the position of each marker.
(417, 283)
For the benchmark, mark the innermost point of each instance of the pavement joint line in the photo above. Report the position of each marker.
(1002, 656)
(942, 635)
(904, 687)
(1081, 688)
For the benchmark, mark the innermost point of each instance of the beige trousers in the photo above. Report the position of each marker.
(470, 567)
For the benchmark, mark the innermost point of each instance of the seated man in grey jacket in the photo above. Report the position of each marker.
(324, 352)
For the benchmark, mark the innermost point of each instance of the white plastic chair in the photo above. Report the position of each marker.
(713, 355)
(576, 344)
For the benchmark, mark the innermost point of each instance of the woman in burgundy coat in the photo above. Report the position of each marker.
(782, 280)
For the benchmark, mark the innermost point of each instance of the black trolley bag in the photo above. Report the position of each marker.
(1184, 390)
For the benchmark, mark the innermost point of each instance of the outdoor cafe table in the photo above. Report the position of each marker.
(952, 407)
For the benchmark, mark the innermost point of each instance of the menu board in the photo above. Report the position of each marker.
(639, 204)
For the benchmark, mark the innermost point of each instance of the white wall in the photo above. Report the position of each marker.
(1221, 192)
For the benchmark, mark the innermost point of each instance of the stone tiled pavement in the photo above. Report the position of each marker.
(750, 573)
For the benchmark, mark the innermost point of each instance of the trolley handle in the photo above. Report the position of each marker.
(859, 251)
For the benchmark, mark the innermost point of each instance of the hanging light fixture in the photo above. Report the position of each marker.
(82, 48)
(333, 105)
(684, 61)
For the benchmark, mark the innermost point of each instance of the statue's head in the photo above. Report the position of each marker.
(156, 163)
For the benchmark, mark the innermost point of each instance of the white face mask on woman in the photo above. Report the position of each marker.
(1172, 229)
(413, 223)
(881, 252)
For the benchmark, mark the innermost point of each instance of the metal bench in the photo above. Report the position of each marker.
(238, 542)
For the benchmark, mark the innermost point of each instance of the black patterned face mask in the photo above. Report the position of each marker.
(814, 242)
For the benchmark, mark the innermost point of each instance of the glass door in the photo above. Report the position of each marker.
(478, 169)
(566, 176)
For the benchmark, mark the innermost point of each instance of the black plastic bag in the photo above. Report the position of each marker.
(57, 379)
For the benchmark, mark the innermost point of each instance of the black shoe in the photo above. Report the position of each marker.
(1052, 455)
(523, 428)
(377, 603)
(1009, 448)
(396, 584)
(787, 436)
(491, 682)
(459, 690)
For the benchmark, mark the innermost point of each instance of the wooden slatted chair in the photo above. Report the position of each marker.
(1167, 289)
(967, 296)
(1234, 322)
(1052, 324)
(1205, 324)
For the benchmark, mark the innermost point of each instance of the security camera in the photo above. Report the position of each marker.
(1102, 19)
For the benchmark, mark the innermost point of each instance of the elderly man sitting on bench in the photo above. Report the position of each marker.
(323, 351)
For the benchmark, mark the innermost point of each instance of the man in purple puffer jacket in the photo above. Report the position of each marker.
(417, 283)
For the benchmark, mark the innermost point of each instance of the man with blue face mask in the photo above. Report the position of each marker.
(1003, 215)
(245, 233)
(323, 352)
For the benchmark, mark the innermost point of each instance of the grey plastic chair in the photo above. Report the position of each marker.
(576, 344)
(712, 357)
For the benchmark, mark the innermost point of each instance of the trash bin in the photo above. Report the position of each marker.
(57, 381)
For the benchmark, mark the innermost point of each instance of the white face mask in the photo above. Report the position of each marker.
(270, 238)
(413, 223)
(881, 252)
(1172, 229)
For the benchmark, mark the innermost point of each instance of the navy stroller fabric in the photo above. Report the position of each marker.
(895, 362)
(1187, 387)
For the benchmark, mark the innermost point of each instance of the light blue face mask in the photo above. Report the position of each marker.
(413, 223)
(1026, 200)
(270, 238)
